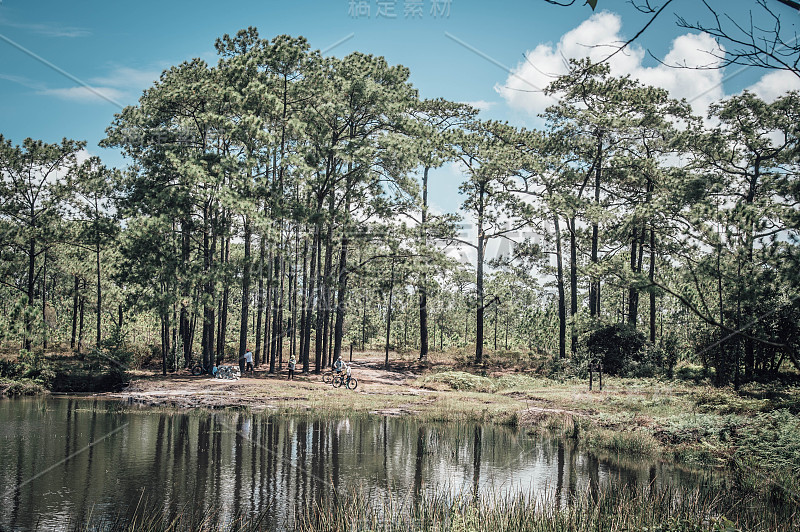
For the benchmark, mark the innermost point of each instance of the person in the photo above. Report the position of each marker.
(248, 360)
(338, 366)
(292, 362)
(347, 380)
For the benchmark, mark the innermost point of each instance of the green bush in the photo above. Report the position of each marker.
(20, 387)
(620, 348)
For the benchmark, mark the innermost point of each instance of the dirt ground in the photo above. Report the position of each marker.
(260, 390)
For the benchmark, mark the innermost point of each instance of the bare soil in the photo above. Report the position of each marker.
(262, 390)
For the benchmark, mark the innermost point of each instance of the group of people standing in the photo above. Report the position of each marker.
(246, 363)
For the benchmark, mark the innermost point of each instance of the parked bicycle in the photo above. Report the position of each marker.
(198, 368)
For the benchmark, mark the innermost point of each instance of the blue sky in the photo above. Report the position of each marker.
(120, 47)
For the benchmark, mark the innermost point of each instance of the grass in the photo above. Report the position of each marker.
(614, 508)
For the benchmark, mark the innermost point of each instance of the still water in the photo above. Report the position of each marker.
(66, 461)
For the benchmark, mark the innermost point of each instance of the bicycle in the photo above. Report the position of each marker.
(351, 383)
(329, 375)
(199, 369)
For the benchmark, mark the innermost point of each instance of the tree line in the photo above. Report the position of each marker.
(279, 200)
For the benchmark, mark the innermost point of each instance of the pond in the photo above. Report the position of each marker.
(72, 460)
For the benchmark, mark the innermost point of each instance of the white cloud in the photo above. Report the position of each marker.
(127, 77)
(120, 86)
(86, 94)
(481, 105)
(46, 30)
(597, 38)
(775, 84)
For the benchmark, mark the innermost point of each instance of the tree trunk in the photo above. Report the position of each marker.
(245, 289)
(562, 306)
(423, 290)
(323, 301)
(573, 285)
(27, 342)
(80, 322)
(594, 284)
(342, 276)
(225, 255)
(74, 313)
(652, 284)
(310, 297)
(389, 315)
(260, 298)
(303, 302)
(479, 281)
(276, 322)
(184, 325)
(44, 302)
(633, 293)
(99, 289)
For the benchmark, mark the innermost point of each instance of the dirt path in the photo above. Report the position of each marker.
(263, 391)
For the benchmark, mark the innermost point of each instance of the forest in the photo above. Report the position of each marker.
(278, 200)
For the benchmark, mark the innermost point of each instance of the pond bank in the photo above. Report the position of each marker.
(668, 420)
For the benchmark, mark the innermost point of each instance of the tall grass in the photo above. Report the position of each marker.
(611, 509)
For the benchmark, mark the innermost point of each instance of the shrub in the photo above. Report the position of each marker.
(619, 347)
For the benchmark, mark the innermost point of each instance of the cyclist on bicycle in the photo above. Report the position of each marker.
(339, 365)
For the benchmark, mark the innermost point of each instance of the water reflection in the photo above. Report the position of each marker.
(252, 464)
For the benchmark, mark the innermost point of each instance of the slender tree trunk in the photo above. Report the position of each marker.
(99, 288)
(325, 292)
(260, 298)
(479, 281)
(342, 276)
(276, 323)
(164, 343)
(74, 312)
(562, 305)
(573, 285)
(281, 327)
(208, 322)
(269, 323)
(44, 302)
(80, 321)
(293, 288)
(245, 289)
(304, 302)
(389, 315)
(496, 309)
(319, 308)
(423, 287)
(594, 284)
(226, 294)
(633, 293)
(652, 283)
(311, 294)
(28, 342)
(185, 326)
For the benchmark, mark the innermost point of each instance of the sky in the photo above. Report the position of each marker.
(496, 55)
